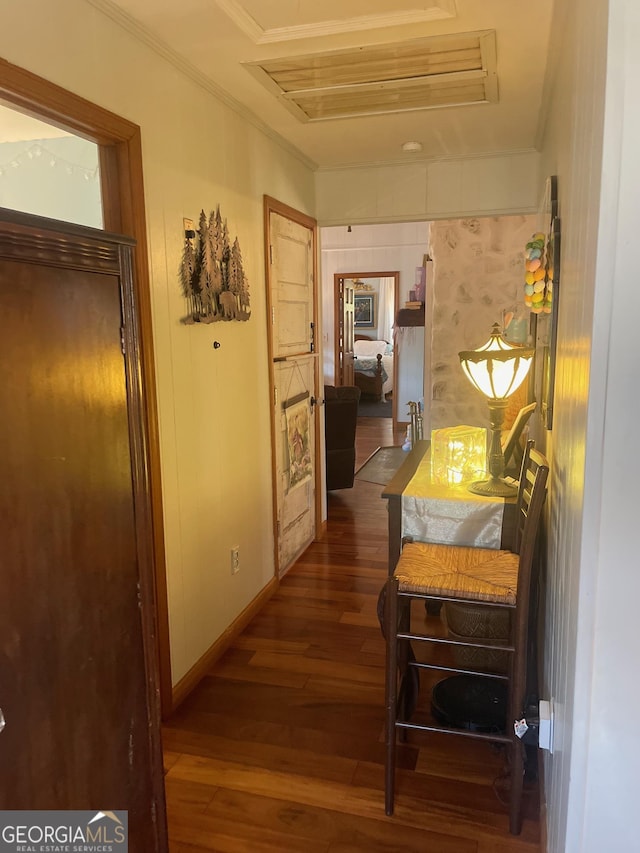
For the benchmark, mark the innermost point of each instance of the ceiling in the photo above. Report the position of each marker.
(348, 82)
(220, 38)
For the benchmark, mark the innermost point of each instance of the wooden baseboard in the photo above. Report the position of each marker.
(198, 671)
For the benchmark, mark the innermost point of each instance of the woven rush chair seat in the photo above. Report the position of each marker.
(448, 571)
(494, 580)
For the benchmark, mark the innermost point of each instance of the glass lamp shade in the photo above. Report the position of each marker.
(497, 368)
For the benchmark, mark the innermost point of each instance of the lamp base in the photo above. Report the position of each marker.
(495, 487)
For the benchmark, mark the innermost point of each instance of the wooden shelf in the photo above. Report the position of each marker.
(410, 317)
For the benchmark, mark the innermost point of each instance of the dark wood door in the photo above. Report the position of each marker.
(77, 658)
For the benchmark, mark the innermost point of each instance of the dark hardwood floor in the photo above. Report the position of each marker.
(280, 748)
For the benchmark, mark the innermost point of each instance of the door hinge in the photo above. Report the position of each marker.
(122, 340)
(275, 396)
(270, 253)
(273, 315)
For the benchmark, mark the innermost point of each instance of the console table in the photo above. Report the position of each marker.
(429, 512)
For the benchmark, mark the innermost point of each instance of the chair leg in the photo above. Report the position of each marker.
(517, 778)
(403, 699)
(514, 712)
(391, 692)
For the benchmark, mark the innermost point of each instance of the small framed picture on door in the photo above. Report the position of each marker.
(365, 310)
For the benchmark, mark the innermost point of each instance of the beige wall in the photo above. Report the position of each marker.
(213, 404)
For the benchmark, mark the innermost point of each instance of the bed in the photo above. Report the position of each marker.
(373, 367)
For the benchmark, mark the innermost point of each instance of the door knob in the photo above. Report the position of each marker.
(2, 721)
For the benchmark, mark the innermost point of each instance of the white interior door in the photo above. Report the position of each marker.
(294, 376)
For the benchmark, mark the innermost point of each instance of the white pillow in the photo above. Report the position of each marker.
(369, 349)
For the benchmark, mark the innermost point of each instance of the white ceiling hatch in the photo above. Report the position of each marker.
(440, 71)
(266, 23)
(380, 70)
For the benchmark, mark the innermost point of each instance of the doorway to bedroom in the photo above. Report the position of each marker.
(354, 261)
(366, 305)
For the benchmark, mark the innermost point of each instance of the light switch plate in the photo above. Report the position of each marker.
(545, 732)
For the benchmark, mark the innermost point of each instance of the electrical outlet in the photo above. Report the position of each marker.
(188, 224)
(235, 560)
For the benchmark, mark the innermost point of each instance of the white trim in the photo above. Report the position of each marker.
(439, 10)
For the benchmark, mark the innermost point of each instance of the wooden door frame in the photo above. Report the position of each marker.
(395, 274)
(122, 188)
(272, 205)
(340, 350)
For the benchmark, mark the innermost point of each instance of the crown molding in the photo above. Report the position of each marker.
(144, 35)
(438, 10)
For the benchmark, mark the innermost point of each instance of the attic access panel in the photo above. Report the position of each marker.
(421, 74)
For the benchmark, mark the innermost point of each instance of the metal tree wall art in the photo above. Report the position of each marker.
(211, 273)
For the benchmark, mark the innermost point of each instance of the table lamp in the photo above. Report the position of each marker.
(497, 369)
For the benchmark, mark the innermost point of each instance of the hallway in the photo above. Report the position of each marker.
(281, 747)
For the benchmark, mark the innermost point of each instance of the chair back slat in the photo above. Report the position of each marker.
(512, 450)
(532, 493)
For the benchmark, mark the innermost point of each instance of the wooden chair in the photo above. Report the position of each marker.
(512, 447)
(500, 579)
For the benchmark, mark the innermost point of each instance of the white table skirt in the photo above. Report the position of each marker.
(449, 514)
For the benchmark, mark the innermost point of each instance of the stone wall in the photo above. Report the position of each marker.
(477, 275)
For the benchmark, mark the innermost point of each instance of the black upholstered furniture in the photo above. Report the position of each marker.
(340, 418)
